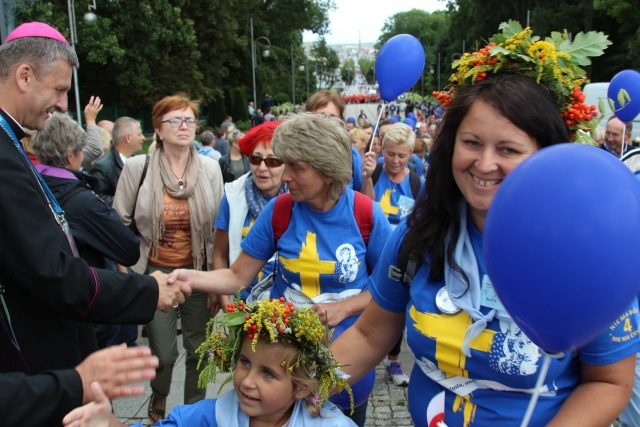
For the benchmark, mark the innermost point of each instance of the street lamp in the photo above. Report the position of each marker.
(89, 18)
(304, 65)
(265, 53)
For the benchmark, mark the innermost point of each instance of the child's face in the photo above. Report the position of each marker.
(264, 388)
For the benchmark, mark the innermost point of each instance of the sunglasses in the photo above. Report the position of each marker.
(271, 162)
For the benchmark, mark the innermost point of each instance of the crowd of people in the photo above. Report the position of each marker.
(260, 242)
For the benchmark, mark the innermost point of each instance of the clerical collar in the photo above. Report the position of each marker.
(16, 127)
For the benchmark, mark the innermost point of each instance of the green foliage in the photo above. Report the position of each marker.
(348, 71)
(366, 67)
(281, 98)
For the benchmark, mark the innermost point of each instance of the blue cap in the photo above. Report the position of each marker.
(351, 120)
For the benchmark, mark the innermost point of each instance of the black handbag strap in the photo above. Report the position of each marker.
(142, 177)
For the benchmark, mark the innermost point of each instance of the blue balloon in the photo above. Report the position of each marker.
(411, 116)
(625, 81)
(399, 65)
(561, 240)
(394, 119)
(410, 122)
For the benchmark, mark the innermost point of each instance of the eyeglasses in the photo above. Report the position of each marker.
(177, 122)
(381, 135)
(271, 162)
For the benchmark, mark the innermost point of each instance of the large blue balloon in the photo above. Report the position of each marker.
(399, 65)
(561, 243)
(629, 81)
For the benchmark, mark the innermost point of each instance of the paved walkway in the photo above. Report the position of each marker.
(387, 404)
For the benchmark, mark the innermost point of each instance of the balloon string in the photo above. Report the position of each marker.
(624, 128)
(377, 123)
(541, 378)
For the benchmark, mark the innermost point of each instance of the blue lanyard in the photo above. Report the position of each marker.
(53, 203)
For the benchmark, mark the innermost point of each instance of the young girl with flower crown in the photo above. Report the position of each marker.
(282, 372)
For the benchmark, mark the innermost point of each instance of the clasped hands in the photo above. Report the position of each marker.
(170, 293)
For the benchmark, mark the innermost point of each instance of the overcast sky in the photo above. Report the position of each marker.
(367, 18)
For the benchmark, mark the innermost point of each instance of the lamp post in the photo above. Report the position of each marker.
(253, 60)
(89, 18)
(303, 67)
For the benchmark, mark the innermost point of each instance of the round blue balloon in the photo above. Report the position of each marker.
(625, 81)
(561, 241)
(411, 116)
(399, 65)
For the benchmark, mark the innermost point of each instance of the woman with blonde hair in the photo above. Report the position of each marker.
(359, 140)
(173, 195)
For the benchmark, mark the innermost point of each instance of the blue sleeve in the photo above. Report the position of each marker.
(620, 340)
(201, 414)
(222, 222)
(379, 235)
(357, 169)
(259, 243)
(387, 293)
(418, 164)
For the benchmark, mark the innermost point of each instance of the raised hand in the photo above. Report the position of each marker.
(92, 109)
(115, 368)
(93, 414)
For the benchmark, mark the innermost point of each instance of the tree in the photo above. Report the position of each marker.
(326, 61)
(366, 67)
(139, 51)
(116, 65)
(348, 71)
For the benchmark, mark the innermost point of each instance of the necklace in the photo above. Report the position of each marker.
(181, 183)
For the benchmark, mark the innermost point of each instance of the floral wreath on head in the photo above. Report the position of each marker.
(275, 321)
(554, 62)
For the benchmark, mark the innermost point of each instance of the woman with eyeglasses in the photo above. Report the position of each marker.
(331, 238)
(244, 199)
(173, 196)
(234, 164)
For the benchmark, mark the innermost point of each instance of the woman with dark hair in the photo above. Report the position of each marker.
(173, 195)
(474, 365)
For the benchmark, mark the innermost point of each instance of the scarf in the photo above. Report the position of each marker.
(463, 295)
(255, 199)
(193, 191)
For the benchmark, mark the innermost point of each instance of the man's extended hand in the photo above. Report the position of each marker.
(170, 295)
(115, 367)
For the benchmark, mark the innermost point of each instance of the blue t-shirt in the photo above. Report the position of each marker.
(207, 413)
(322, 259)
(502, 356)
(396, 200)
(321, 255)
(222, 222)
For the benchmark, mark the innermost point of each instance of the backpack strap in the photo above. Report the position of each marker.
(406, 265)
(414, 182)
(376, 173)
(363, 212)
(281, 215)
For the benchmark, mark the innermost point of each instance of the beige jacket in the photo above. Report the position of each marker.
(124, 202)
